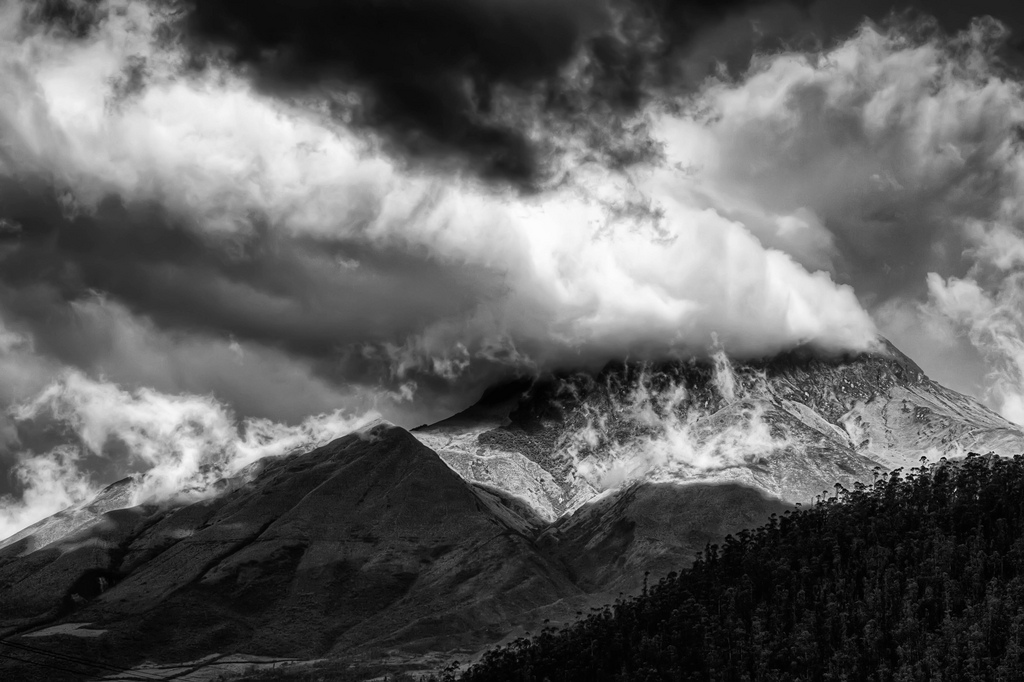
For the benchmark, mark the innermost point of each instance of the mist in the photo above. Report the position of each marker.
(179, 448)
(671, 434)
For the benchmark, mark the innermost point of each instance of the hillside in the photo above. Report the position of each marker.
(612, 541)
(920, 577)
(368, 541)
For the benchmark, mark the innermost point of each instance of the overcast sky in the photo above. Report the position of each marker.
(231, 227)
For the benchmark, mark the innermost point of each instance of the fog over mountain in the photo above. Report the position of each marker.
(237, 229)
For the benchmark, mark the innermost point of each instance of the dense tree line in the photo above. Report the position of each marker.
(917, 577)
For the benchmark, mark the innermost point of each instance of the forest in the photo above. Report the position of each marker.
(919, 576)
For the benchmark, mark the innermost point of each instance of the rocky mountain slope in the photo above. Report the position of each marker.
(792, 426)
(546, 497)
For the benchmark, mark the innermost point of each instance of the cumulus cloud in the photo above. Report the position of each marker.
(994, 322)
(898, 138)
(553, 274)
(894, 161)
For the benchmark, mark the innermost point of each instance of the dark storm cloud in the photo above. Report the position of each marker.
(434, 76)
(486, 82)
(76, 18)
(311, 297)
(835, 18)
(422, 72)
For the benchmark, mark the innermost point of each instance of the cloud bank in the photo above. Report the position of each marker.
(605, 260)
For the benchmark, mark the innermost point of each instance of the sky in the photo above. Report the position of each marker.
(232, 228)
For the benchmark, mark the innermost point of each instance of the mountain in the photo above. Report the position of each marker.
(547, 497)
(791, 426)
(368, 541)
(119, 495)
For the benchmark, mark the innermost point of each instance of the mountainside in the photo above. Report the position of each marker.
(611, 542)
(118, 495)
(792, 426)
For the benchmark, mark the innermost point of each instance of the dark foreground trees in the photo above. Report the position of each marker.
(919, 577)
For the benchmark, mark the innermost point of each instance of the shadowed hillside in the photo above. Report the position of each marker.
(368, 541)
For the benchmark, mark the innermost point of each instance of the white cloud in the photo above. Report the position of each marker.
(50, 482)
(183, 444)
(894, 159)
(994, 322)
(670, 434)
